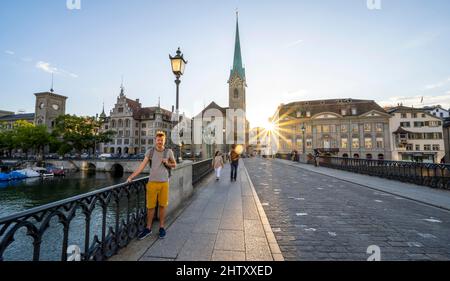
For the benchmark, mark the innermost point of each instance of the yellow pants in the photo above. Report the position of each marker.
(157, 191)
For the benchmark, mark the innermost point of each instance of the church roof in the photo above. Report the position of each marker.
(237, 60)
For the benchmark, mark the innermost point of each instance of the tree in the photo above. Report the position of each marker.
(79, 132)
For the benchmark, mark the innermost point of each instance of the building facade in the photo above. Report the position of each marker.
(416, 135)
(446, 131)
(338, 127)
(437, 111)
(48, 107)
(135, 126)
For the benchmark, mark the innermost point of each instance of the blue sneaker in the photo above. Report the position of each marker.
(162, 233)
(144, 233)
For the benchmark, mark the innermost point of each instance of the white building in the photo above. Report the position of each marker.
(416, 135)
(437, 111)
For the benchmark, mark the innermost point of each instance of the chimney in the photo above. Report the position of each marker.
(172, 108)
(137, 100)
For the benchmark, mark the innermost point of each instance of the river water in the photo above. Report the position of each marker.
(26, 194)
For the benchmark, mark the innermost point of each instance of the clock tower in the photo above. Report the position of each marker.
(48, 107)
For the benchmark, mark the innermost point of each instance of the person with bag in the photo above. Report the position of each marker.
(234, 158)
(161, 161)
(218, 164)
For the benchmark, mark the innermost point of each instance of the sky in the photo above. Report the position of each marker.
(292, 50)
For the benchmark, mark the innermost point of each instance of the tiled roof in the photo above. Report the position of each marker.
(16, 117)
(332, 105)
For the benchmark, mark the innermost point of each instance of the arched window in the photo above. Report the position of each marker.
(127, 123)
(120, 123)
(236, 93)
(369, 156)
(380, 156)
(356, 155)
(345, 155)
(113, 123)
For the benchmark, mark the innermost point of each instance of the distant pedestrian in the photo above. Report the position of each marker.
(218, 164)
(234, 158)
(316, 157)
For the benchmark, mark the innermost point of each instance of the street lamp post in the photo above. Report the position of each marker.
(303, 141)
(178, 64)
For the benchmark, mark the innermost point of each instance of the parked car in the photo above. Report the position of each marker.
(105, 155)
(84, 156)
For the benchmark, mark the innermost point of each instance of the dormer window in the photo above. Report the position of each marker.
(354, 111)
(308, 113)
(120, 110)
(343, 112)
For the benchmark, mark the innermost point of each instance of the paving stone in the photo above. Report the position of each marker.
(219, 255)
(198, 248)
(230, 240)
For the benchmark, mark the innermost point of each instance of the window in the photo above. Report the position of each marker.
(299, 114)
(143, 133)
(427, 147)
(127, 141)
(319, 129)
(423, 115)
(136, 141)
(367, 127)
(326, 128)
(308, 113)
(144, 125)
(120, 109)
(119, 142)
(409, 147)
(403, 115)
(355, 128)
(379, 127)
(150, 141)
(120, 134)
(343, 112)
(419, 124)
(414, 115)
(354, 111)
(136, 133)
(309, 143)
(344, 128)
(127, 133)
(309, 129)
(344, 143)
(368, 143)
(436, 147)
(113, 123)
(417, 147)
(433, 123)
(355, 143)
(441, 114)
(143, 141)
(236, 93)
(405, 124)
(120, 123)
(380, 142)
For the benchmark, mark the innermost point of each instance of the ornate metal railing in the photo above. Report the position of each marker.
(433, 175)
(201, 169)
(108, 219)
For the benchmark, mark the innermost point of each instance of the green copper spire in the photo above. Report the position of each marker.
(237, 62)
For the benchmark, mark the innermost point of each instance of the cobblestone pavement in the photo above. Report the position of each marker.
(318, 217)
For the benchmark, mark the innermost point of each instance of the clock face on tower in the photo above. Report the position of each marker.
(55, 106)
(41, 105)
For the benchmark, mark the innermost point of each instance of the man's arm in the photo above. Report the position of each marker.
(139, 170)
(171, 162)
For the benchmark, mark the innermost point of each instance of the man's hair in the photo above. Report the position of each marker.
(160, 134)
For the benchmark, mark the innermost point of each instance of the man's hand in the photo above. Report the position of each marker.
(130, 179)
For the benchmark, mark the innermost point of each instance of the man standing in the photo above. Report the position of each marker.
(234, 158)
(161, 161)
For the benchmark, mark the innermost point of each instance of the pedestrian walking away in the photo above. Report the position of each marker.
(218, 164)
(234, 158)
(161, 160)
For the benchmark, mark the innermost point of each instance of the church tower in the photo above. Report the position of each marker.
(237, 82)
